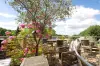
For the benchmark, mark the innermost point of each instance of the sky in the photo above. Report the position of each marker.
(86, 13)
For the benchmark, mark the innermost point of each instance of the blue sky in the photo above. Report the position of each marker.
(88, 13)
(7, 16)
(95, 4)
(6, 9)
(88, 3)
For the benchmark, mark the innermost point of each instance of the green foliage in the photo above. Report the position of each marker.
(3, 30)
(30, 9)
(40, 14)
(53, 32)
(16, 57)
(74, 37)
(91, 31)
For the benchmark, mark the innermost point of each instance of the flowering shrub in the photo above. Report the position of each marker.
(12, 37)
(7, 33)
(22, 25)
(4, 42)
(37, 24)
(30, 26)
(23, 45)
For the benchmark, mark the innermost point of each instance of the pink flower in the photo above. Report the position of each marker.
(40, 35)
(11, 37)
(39, 26)
(21, 59)
(37, 31)
(25, 54)
(30, 26)
(37, 23)
(4, 42)
(47, 36)
(33, 22)
(22, 25)
(0, 49)
(26, 50)
(7, 33)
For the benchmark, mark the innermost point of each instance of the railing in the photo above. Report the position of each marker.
(82, 59)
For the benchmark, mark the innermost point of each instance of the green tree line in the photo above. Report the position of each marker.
(3, 30)
(91, 31)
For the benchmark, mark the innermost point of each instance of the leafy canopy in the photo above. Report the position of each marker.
(91, 31)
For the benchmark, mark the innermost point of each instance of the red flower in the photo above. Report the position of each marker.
(7, 33)
(33, 51)
(22, 25)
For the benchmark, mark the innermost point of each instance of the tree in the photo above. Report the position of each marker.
(41, 14)
(92, 31)
(3, 30)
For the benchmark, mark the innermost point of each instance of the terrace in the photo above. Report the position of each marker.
(56, 52)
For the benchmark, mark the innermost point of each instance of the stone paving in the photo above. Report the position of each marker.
(5, 62)
(35, 61)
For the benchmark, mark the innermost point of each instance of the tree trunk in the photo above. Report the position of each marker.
(37, 41)
(36, 53)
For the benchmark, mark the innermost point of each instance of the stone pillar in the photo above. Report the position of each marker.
(59, 43)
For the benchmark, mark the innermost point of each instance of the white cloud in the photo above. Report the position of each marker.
(7, 15)
(81, 19)
(9, 25)
(84, 13)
